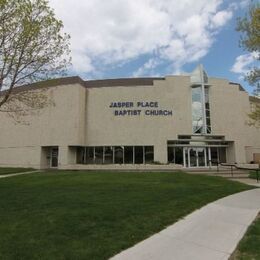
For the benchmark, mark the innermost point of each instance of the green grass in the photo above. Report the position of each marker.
(77, 215)
(249, 247)
(253, 175)
(4, 171)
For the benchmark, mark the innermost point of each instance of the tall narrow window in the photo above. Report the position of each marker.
(149, 154)
(200, 101)
(207, 108)
(119, 154)
(201, 123)
(129, 158)
(197, 110)
(108, 154)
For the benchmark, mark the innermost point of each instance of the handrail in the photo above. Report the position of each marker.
(231, 165)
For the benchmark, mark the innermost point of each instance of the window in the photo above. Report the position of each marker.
(129, 156)
(149, 154)
(119, 155)
(115, 154)
(207, 108)
(99, 155)
(108, 154)
(139, 154)
(80, 155)
(89, 155)
(198, 110)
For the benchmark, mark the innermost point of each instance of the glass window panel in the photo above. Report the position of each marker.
(208, 121)
(193, 158)
(149, 155)
(196, 90)
(108, 154)
(222, 155)
(206, 97)
(178, 155)
(80, 155)
(197, 130)
(119, 154)
(139, 156)
(201, 154)
(196, 97)
(98, 154)
(129, 156)
(196, 110)
(90, 155)
(214, 156)
(170, 154)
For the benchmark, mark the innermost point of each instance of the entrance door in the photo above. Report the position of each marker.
(54, 157)
(202, 157)
(195, 157)
(192, 153)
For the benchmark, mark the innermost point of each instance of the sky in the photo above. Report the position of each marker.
(150, 38)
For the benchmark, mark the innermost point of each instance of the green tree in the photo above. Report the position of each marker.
(33, 47)
(249, 27)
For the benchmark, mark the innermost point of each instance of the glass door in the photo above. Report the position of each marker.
(195, 156)
(202, 157)
(54, 157)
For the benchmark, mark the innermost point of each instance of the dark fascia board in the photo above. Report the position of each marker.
(48, 84)
(87, 84)
(239, 86)
(121, 82)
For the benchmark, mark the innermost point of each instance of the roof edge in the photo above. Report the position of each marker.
(121, 82)
(47, 84)
(239, 86)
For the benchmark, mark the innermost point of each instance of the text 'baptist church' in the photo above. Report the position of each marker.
(147, 108)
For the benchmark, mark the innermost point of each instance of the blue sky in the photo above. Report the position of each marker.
(142, 38)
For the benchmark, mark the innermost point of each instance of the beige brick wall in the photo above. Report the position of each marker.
(83, 117)
(59, 125)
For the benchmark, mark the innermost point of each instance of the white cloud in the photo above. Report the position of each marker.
(149, 66)
(116, 31)
(243, 63)
(220, 18)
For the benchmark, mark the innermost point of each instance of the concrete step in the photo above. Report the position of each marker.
(215, 171)
(228, 175)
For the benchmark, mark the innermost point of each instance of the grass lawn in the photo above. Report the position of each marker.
(4, 171)
(253, 175)
(77, 215)
(249, 247)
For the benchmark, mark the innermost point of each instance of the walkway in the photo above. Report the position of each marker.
(211, 232)
(16, 174)
(247, 181)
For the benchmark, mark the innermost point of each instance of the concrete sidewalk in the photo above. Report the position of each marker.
(16, 174)
(211, 232)
(247, 181)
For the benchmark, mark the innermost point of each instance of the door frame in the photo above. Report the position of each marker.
(187, 157)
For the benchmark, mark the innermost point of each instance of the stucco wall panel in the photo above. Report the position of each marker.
(82, 117)
(55, 125)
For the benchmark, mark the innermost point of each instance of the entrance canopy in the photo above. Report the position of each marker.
(198, 151)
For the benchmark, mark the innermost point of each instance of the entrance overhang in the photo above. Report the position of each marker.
(198, 150)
